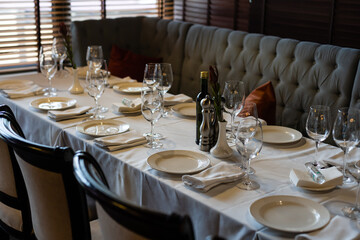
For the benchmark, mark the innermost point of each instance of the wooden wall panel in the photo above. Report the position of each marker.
(325, 21)
(346, 27)
(303, 20)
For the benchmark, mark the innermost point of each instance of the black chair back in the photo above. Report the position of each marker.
(120, 218)
(15, 219)
(58, 205)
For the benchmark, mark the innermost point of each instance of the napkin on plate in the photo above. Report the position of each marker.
(121, 107)
(339, 228)
(301, 178)
(213, 176)
(121, 141)
(116, 80)
(70, 113)
(27, 91)
(176, 99)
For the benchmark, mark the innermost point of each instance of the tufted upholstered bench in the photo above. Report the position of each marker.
(302, 73)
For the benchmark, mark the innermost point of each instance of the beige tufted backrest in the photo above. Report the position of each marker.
(151, 37)
(302, 73)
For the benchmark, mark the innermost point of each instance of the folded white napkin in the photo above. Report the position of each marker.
(27, 91)
(117, 142)
(176, 99)
(78, 112)
(338, 228)
(121, 107)
(301, 178)
(209, 178)
(116, 80)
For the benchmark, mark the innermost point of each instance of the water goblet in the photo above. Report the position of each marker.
(249, 140)
(59, 52)
(249, 110)
(318, 126)
(234, 96)
(151, 109)
(353, 211)
(152, 76)
(346, 135)
(95, 86)
(94, 57)
(48, 67)
(165, 82)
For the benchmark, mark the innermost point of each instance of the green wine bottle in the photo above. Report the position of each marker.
(200, 96)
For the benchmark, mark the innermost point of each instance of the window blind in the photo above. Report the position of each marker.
(18, 39)
(25, 25)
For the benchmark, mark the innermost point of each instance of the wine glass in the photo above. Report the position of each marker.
(151, 109)
(249, 141)
(94, 57)
(318, 126)
(346, 135)
(249, 110)
(95, 86)
(234, 96)
(59, 52)
(353, 211)
(165, 82)
(48, 67)
(152, 74)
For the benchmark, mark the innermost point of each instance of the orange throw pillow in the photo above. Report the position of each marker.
(264, 97)
(124, 63)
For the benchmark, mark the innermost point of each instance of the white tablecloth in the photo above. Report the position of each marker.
(222, 211)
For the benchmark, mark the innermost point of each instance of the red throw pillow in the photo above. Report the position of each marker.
(125, 63)
(264, 97)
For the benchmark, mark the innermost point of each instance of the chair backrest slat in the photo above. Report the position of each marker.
(15, 216)
(58, 204)
(116, 214)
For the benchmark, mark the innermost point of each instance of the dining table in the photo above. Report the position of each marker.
(223, 210)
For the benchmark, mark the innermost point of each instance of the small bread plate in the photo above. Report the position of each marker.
(53, 103)
(128, 88)
(15, 84)
(100, 128)
(280, 135)
(185, 110)
(290, 213)
(178, 161)
(315, 189)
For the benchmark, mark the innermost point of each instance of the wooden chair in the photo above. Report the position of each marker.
(120, 219)
(58, 204)
(15, 218)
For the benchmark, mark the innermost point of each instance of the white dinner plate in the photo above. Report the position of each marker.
(185, 109)
(290, 213)
(178, 161)
(128, 88)
(100, 128)
(279, 135)
(14, 84)
(53, 103)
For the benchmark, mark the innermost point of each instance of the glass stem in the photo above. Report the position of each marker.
(96, 107)
(61, 64)
(50, 85)
(316, 162)
(232, 124)
(152, 133)
(345, 163)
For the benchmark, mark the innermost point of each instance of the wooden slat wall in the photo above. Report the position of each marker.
(325, 21)
(346, 28)
(299, 19)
